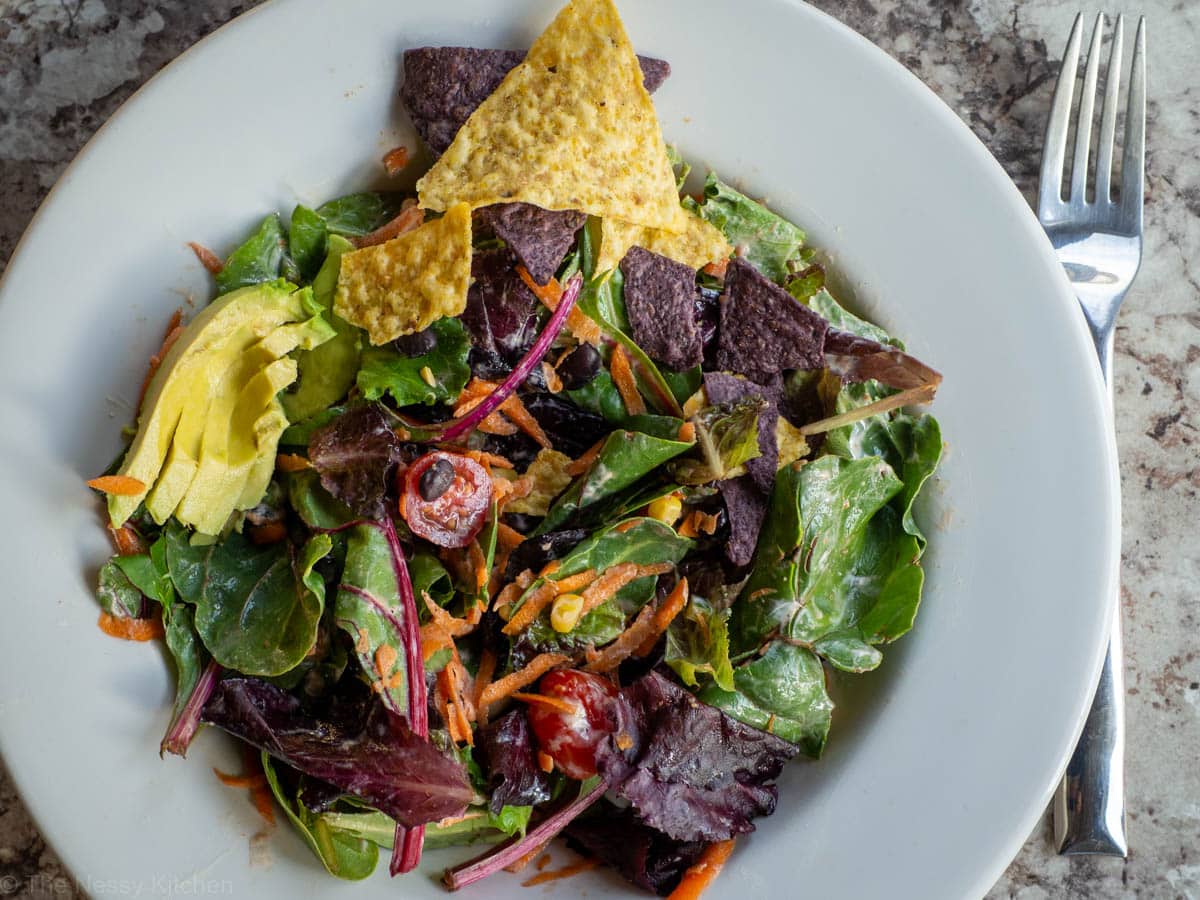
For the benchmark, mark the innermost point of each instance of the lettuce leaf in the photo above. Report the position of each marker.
(761, 237)
(385, 371)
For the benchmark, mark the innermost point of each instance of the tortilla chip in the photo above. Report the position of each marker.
(548, 472)
(746, 508)
(404, 285)
(443, 86)
(699, 244)
(572, 127)
(660, 299)
(764, 329)
(539, 238)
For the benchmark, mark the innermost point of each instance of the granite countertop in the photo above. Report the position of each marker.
(66, 65)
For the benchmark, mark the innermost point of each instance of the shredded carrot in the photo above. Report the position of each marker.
(663, 616)
(556, 704)
(131, 629)
(649, 624)
(550, 568)
(117, 485)
(483, 676)
(627, 525)
(479, 564)
(507, 536)
(496, 423)
(537, 601)
(521, 417)
(688, 527)
(545, 762)
(687, 432)
(708, 522)
(174, 330)
(385, 660)
(584, 865)
(127, 541)
(581, 465)
(263, 804)
(395, 160)
(622, 376)
(553, 383)
(453, 681)
(240, 781)
(509, 684)
(701, 874)
(207, 258)
(615, 578)
(410, 217)
(507, 491)
(270, 533)
(291, 462)
(441, 631)
(543, 862)
(716, 269)
(578, 322)
(525, 860)
(573, 583)
(486, 459)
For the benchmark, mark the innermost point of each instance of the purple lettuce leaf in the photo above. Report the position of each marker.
(501, 314)
(358, 747)
(514, 777)
(856, 359)
(643, 855)
(689, 770)
(354, 455)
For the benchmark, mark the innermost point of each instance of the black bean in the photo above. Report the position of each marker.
(435, 480)
(580, 366)
(419, 344)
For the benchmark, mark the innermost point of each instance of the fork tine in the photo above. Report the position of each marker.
(1087, 104)
(1050, 185)
(1133, 162)
(1108, 116)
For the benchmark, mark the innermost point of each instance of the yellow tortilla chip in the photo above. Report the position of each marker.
(406, 284)
(571, 127)
(699, 244)
(548, 472)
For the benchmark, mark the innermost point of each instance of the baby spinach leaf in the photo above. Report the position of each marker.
(384, 371)
(257, 260)
(429, 576)
(307, 236)
(327, 371)
(344, 853)
(625, 457)
(782, 691)
(357, 214)
(116, 593)
(257, 607)
(477, 825)
(316, 507)
(698, 643)
(766, 240)
(600, 396)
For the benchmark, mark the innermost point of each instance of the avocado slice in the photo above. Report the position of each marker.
(218, 335)
(327, 371)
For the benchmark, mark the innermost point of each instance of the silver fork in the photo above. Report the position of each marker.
(1099, 243)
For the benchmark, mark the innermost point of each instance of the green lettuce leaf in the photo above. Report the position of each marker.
(727, 437)
(384, 371)
(357, 214)
(307, 237)
(698, 643)
(257, 260)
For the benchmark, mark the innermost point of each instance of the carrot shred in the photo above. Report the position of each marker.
(543, 862)
(537, 601)
(479, 565)
(573, 583)
(496, 423)
(671, 606)
(510, 684)
(625, 526)
(395, 160)
(581, 465)
(207, 258)
(553, 383)
(701, 874)
(615, 578)
(578, 322)
(127, 541)
(507, 491)
(255, 783)
(140, 630)
(622, 376)
(291, 462)
(545, 762)
(649, 624)
(263, 804)
(583, 865)
(716, 269)
(270, 533)
(521, 417)
(240, 781)
(525, 860)
(508, 537)
(483, 676)
(484, 458)
(556, 704)
(117, 485)
(687, 528)
(410, 217)
(708, 522)
(170, 336)
(687, 432)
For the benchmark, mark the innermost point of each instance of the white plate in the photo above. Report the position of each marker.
(938, 764)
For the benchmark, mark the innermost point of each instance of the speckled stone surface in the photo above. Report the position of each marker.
(66, 65)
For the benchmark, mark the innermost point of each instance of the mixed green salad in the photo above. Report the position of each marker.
(499, 521)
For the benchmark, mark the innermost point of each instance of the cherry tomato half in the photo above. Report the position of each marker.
(571, 740)
(445, 498)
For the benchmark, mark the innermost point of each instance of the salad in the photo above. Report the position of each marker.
(548, 500)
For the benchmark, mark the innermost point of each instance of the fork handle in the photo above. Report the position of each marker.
(1089, 808)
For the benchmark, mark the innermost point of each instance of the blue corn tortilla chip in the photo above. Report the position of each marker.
(764, 329)
(660, 299)
(501, 312)
(443, 86)
(723, 388)
(746, 508)
(539, 238)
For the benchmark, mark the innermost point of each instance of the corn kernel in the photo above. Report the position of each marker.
(565, 612)
(428, 377)
(666, 509)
